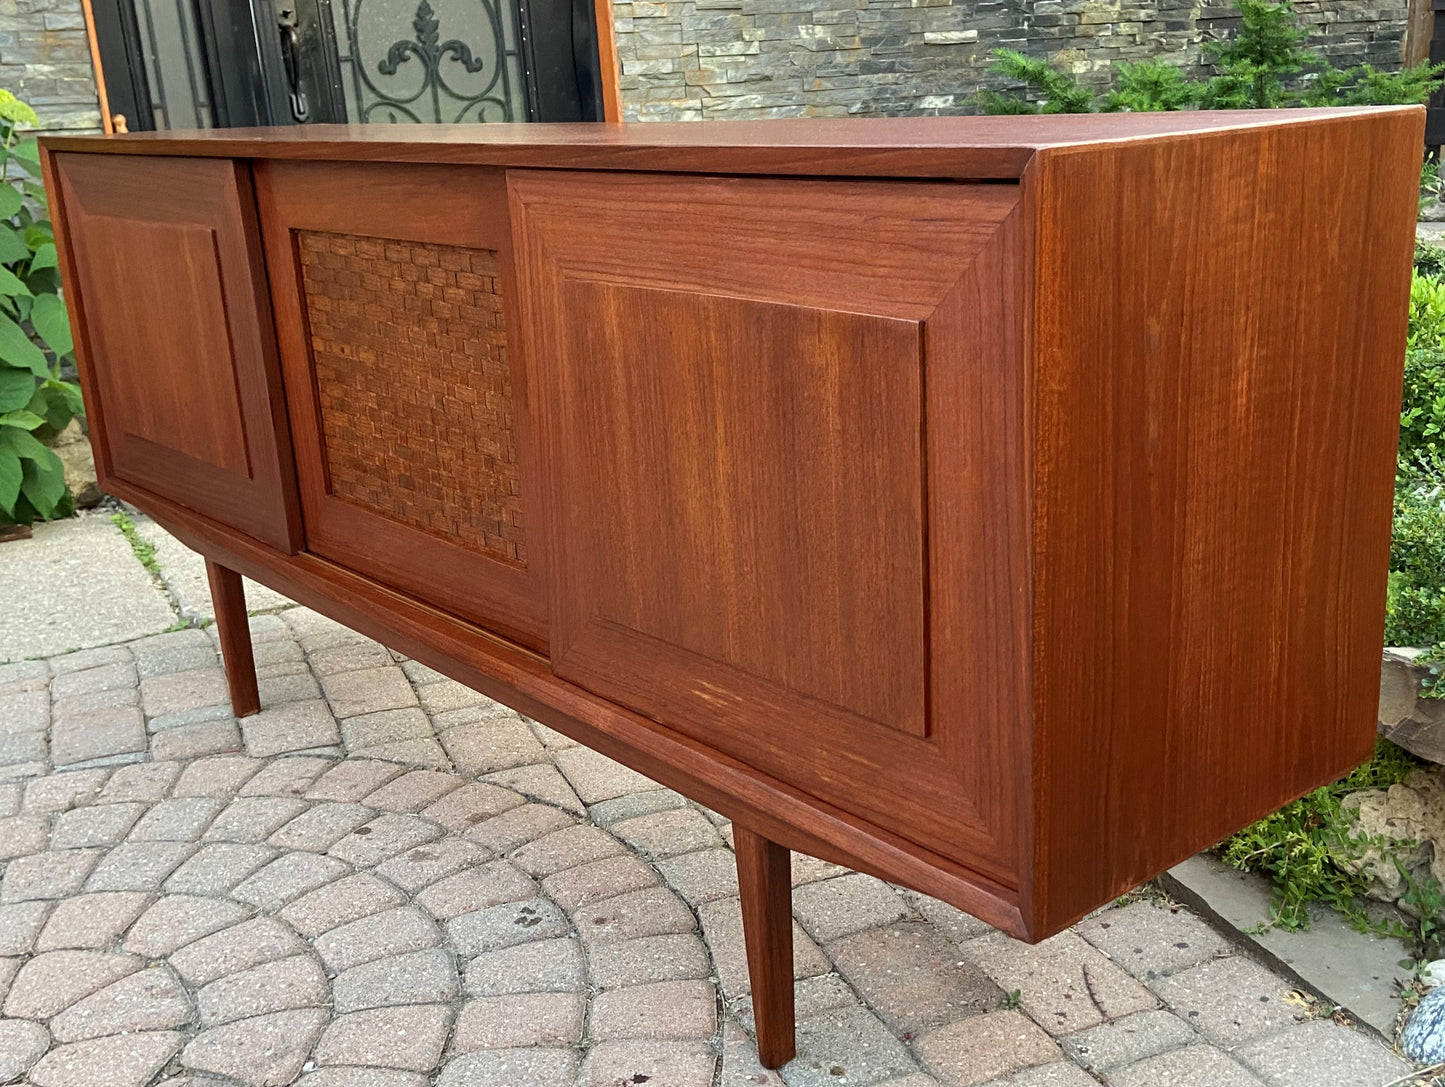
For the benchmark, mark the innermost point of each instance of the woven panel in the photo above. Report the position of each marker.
(409, 347)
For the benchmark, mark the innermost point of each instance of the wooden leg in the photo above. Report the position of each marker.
(765, 882)
(229, 598)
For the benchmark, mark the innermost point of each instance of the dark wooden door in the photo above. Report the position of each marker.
(746, 390)
(393, 295)
(176, 347)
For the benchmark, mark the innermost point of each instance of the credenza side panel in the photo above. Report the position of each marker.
(167, 290)
(395, 310)
(756, 398)
(1217, 347)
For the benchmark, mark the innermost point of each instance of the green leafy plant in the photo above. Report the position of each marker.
(1427, 311)
(1415, 599)
(35, 400)
(1306, 847)
(1263, 65)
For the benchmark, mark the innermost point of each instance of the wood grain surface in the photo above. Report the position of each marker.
(765, 887)
(175, 342)
(1217, 340)
(947, 147)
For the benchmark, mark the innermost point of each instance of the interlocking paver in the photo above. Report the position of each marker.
(913, 977)
(1064, 983)
(20, 924)
(383, 837)
(491, 744)
(448, 696)
(426, 864)
(664, 1009)
(259, 1052)
(595, 777)
(145, 781)
(177, 920)
(367, 690)
(192, 741)
(1229, 1001)
(138, 866)
(253, 818)
(1197, 1066)
(597, 881)
(220, 776)
(702, 877)
(506, 925)
(98, 734)
(1129, 1040)
(85, 659)
(1062, 1074)
(21, 1045)
(543, 966)
(351, 780)
(118, 673)
(653, 911)
(1149, 940)
(341, 902)
(677, 1064)
(287, 877)
(322, 826)
(1321, 1054)
(23, 835)
(281, 985)
(846, 1045)
(391, 932)
(145, 1000)
(349, 657)
(985, 1047)
(409, 1037)
(522, 824)
(95, 825)
(174, 651)
(540, 782)
(520, 1020)
(421, 977)
(722, 925)
(565, 848)
(385, 727)
(47, 875)
(838, 907)
(341, 1076)
(289, 725)
(667, 833)
(476, 889)
(288, 777)
(464, 808)
(77, 705)
(610, 812)
(130, 1060)
(91, 920)
(240, 947)
(49, 983)
(217, 867)
(176, 692)
(181, 820)
(647, 959)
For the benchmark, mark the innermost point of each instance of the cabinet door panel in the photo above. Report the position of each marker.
(178, 350)
(391, 288)
(743, 388)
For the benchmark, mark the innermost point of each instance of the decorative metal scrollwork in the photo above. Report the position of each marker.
(436, 58)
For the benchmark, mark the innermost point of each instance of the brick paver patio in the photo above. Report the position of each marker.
(386, 880)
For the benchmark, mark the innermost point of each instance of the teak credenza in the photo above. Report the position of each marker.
(997, 505)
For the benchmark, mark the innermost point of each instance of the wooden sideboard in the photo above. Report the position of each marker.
(997, 505)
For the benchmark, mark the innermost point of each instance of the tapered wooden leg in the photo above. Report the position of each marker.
(229, 597)
(765, 882)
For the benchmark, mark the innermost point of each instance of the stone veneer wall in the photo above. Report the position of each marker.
(45, 59)
(696, 59)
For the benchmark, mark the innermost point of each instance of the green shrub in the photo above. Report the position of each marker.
(1263, 65)
(35, 401)
(1427, 311)
(1415, 601)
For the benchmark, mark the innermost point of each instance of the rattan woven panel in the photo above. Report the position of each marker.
(409, 347)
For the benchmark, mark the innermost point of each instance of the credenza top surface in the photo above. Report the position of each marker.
(951, 147)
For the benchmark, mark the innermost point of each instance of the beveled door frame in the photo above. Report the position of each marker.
(441, 205)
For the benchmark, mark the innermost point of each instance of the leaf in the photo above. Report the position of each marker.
(10, 201)
(17, 350)
(44, 257)
(10, 283)
(17, 388)
(23, 418)
(11, 475)
(12, 247)
(23, 445)
(28, 152)
(58, 401)
(51, 321)
(44, 483)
